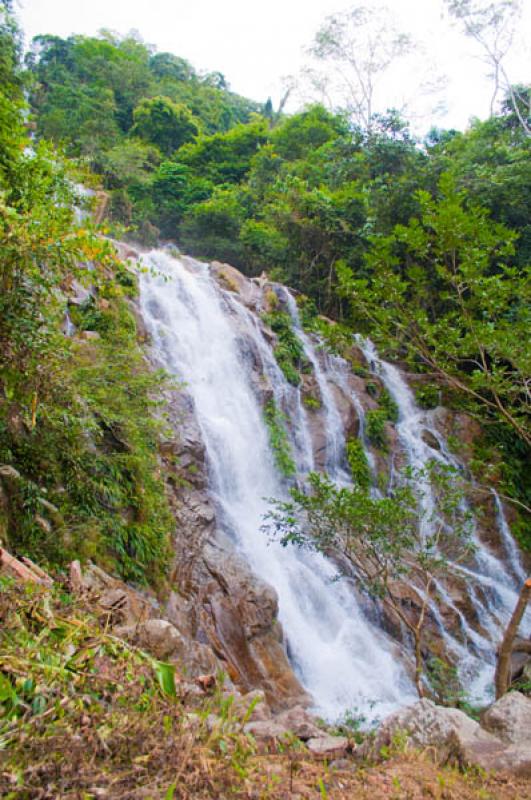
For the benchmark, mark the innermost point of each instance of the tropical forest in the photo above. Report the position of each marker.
(265, 423)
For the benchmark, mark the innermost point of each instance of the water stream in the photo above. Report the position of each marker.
(340, 657)
(205, 336)
(491, 586)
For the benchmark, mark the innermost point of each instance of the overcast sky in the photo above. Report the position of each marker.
(256, 44)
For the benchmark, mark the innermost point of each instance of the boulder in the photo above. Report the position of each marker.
(429, 438)
(454, 738)
(299, 722)
(328, 746)
(510, 719)
(233, 280)
(266, 729)
(260, 712)
(78, 294)
(160, 638)
(163, 641)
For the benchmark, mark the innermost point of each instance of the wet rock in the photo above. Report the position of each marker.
(255, 599)
(328, 746)
(233, 280)
(126, 252)
(142, 333)
(430, 439)
(78, 294)
(347, 412)
(239, 615)
(510, 719)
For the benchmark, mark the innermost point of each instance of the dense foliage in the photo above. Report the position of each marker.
(78, 441)
(425, 246)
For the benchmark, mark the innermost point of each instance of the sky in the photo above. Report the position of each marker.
(256, 45)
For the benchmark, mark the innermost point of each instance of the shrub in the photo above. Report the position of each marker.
(278, 439)
(289, 351)
(427, 396)
(357, 461)
(375, 427)
(388, 405)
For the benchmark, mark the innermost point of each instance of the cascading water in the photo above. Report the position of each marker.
(335, 443)
(492, 588)
(342, 659)
(210, 340)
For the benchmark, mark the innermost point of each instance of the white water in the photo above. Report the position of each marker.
(342, 659)
(492, 588)
(335, 444)
(207, 338)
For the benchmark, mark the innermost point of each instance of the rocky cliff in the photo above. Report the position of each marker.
(227, 614)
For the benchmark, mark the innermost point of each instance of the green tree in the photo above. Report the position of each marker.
(211, 228)
(225, 157)
(166, 124)
(441, 292)
(300, 134)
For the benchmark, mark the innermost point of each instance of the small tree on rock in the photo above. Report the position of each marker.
(383, 540)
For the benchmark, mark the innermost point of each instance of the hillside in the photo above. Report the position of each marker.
(264, 507)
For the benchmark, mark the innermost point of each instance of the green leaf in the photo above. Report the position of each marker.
(170, 793)
(166, 677)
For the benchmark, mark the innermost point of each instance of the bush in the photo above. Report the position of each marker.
(388, 405)
(427, 396)
(289, 351)
(357, 461)
(375, 428)
(278, 439)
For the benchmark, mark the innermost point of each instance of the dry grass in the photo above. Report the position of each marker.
(83, 715)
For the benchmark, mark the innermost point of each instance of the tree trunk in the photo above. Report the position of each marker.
(419, 666)
(502, 676)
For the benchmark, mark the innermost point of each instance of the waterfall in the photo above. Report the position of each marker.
(209, 339)
(492, 588)
(509, 544)
(342, 659)
(335, 441)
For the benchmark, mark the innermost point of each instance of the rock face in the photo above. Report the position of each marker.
(227, 616)
(501, 742)
(217, 604)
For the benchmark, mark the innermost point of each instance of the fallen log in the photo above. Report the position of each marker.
(23, 569)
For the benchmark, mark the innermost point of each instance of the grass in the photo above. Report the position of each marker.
(85, 715)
